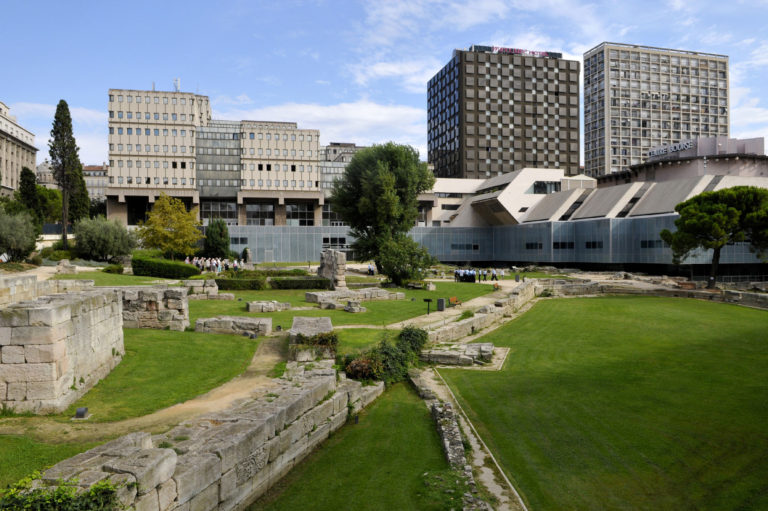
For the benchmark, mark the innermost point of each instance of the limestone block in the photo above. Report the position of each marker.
(309, 326)
(14, 316)
(206, 500)
(339, 400)
(3, 390)
(126, 488)
(236, 442)
(49, 315)
(12, 355)
(150, 467)
(166, 494)
(36, 353)
(42, 390)
(147, 502)
(28, 372)
(17, 391)
(41, 334)
(194, 472)
(5, 335)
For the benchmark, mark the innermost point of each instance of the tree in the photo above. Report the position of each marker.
(97, 207)
(712, 220)
(401, 259)
(17, 235)
(170, 228)
(102, 240)
(216, 239)
(378, 197)
(65, 161)
(79, 202)
(27, 193)
(50, 204)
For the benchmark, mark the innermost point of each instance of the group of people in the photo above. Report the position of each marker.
(215, 264)
(479, 275)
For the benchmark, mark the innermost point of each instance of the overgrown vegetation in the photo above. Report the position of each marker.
(65, 496)
(390, 360)
(21, 455)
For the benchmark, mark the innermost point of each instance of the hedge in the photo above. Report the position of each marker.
(300, 283)
(250, 274)
(164, 268)
(241, 284)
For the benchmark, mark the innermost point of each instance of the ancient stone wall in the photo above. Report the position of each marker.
(54, 348)
(359, 295)
(156, 307)
(18, 288)
(333, 266)
(236, 325)
(268, 306)
(224, 460)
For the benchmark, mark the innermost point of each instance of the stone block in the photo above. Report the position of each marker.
(150, 467)
(12, 354)
(49, 315)
(38, 353)
(193, 472)
(14, 316)
(228, 485)
(309, 326)
(206, 500)
(166, 494)
(41, 334)
(17, 391)
(126, 488)
(3, 390)
(42, 390)
(147, 502)
(28, 372)
(5, 335)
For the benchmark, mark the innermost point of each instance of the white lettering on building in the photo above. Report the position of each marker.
(672, 148)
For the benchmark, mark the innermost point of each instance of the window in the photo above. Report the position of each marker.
(593, 244)
(146, 116)
(651, 244)
(119, 131)
(183, 179)
(293, 168)
(146, 131)
(251, 135)
(173, 117)
(157, 115)
(183, 101)
(157, 100)
(450, 207)
(563, 245)
(129, 115)
(536, 245)
(165, 117)
(120, 114)
(111, 130)
(165, 180)
(183, 117)
(260, 213)
(331, 218)
(299, 213)
(165, 101)
(111, 98)
(464, 246)
(219, 209)
(119, 180)
(129, 131)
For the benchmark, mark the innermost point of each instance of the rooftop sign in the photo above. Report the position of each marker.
(672, 148)
(516, 51)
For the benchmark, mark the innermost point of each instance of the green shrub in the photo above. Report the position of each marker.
(300, 283)
(17, 235)
(360, 368)
(330, 339)
(163, 268)
(35, 259)
(100, 239)
(59, 245)
(113, 268)
(65, 496)
(216, 242)
(56, 254)
(412, 339)
(249, 274)
(148, 253)
(388, 361)
(240, 284)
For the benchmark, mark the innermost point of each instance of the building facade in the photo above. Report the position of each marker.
(493, 110)
(17, 150)
(639, 97)
(96, 180)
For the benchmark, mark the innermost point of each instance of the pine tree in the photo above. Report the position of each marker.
(65, 161)
(216, 242)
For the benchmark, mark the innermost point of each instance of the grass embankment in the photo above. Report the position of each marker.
(379, 313)
(162, 368)
(101, 278)
(628, 403)
(376, 464)
(357, 340)
(20, 456)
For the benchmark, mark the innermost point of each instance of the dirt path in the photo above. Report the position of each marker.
(254, 381)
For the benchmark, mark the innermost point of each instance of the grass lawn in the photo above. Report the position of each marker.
(374, 465)
(356, 340)
(628, 403)
(379, 313)
(510, 275)
(110, 279)
(162, 368)
(20, 456)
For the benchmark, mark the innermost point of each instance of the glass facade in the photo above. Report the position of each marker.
(219, 209)
(260, 214)
(299, 214)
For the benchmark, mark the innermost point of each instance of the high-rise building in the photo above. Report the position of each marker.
(493, 110)
(245, 172)
(17, 150)
(640, 97)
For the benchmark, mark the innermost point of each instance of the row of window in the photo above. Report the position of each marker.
(149, 116)
(268, 136)
(148, 132)
(148, 180)
(149, 164)
(252, 182)
(147, 99)
(570, 245)
(148, 148)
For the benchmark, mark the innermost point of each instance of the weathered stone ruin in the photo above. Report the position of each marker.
(205, 290)
(359, 295)
(158, 307)
(303, 328)
(459, 354)
(236, 325)
(264, 306)
(224, 460)
(55, 347)
(333, 266)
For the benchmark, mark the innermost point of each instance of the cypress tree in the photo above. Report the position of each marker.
(28, 192)
(65, 161)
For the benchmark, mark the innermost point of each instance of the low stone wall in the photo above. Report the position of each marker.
(459, 354)
(484, 317)
(273, 306)
(359, 295)
(55, 348)
(224, 460)
(236, 325)
(205, 290)
(158, 307)
(18, 288)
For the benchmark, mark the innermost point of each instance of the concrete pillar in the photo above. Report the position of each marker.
(117, 210)
(318, 214)
(280, 214)
(241, 216)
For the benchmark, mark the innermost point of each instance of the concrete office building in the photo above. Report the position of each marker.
(17, 150)
(245, 172)
(639, 97)
(493, 110)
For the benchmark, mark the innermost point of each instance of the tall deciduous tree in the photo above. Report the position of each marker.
(170, 228)
(378, 197)
(712, 220)
(65, 161)
(50, 203)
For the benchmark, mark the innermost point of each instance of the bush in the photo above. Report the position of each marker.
(329, 339)
(412, 339)
(360, 368)
(389, 361)
(113, 268)
(300, 283)
(100, 239)
(36, 259)
(65, 496)
(56, 255)
(163, 268)
(216, 243)
(241, 284)
(17, 235)
(257, 274)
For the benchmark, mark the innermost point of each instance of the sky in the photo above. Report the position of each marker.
(355, 70)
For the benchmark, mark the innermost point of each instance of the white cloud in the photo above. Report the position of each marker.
(362, 122)
(414, 74)
(242, 99)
